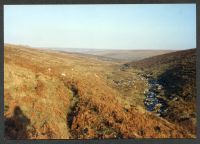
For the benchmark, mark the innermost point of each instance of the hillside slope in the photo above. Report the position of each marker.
(176, 72)
(54, 95)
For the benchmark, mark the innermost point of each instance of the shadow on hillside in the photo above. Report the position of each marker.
(172, 81)
(16, 126)
(175, 79)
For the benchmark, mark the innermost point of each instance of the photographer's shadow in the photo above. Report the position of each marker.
(16, 126)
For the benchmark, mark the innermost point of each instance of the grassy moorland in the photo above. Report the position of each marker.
(177, 73)
(55, 95)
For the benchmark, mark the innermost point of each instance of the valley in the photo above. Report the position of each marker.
(51, 94)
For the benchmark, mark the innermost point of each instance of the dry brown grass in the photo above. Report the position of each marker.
(177, 73)
(97, 108)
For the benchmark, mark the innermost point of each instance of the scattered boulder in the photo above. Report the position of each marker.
(63, 74)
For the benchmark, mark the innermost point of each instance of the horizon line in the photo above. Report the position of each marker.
(63, 48)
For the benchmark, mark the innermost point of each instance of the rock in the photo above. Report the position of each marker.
(157, 129)
(157, 114)
(63, 74)
(175, 99)
(151, 95)
(160, 87)
(96, 75)
(85, 130)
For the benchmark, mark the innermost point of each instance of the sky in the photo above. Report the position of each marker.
(117, 26)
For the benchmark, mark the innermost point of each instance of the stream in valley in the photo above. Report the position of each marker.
(153, 101)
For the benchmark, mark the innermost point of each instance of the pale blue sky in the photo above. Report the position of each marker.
(136, 26)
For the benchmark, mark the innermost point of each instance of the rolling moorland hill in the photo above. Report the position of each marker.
(176, 72)
(129, 55)
(55, 95)
(120, 55)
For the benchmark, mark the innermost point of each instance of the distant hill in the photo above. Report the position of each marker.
(129, 54)
(125, 55)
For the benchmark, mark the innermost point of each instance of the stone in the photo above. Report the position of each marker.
(63, 74)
